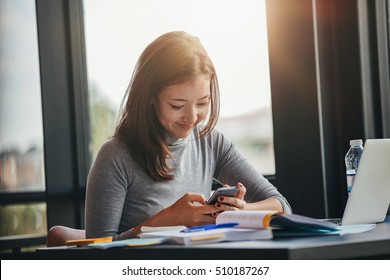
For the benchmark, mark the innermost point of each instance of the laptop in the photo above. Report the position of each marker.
(369, 199)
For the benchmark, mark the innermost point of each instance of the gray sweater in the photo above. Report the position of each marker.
(120, 195)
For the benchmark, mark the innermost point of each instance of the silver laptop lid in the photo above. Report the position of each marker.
(369, 199)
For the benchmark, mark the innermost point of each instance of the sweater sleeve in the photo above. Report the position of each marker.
(232, 167)
(106, 191)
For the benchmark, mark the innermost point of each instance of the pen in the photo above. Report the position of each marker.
(209, 227)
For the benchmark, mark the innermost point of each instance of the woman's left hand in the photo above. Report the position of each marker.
(226, 203)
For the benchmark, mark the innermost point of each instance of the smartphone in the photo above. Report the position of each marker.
(221, 191)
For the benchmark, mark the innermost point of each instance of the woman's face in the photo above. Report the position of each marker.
(180, 108)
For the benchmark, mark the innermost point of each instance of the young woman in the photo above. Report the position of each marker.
(157, 169)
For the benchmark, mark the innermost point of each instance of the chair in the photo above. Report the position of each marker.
(58, 235)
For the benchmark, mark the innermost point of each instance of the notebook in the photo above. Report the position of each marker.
(369, 199)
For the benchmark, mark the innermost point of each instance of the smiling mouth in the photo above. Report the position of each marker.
(187, 126)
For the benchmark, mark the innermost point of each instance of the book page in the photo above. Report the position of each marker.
(247, 219)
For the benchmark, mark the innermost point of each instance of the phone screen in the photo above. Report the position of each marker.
(224, 191)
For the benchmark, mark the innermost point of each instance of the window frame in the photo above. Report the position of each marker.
(328, 49)
(65, 120)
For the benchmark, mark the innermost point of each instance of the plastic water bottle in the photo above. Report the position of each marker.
(352, 159)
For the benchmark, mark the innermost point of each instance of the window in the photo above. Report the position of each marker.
(21, 128)
(233, 33)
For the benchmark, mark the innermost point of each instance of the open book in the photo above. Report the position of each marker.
(273, 219)
(287, 224)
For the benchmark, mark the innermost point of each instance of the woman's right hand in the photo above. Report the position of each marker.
(190, 210)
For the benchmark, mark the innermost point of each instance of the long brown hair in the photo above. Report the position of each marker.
(173, 58)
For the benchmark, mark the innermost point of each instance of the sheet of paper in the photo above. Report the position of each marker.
(350, 229)
(134, 242)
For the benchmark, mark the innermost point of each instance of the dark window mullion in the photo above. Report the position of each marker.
(57, 103)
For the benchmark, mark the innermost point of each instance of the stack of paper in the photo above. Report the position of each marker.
(210, 236)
